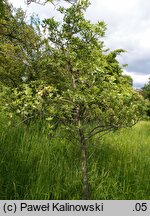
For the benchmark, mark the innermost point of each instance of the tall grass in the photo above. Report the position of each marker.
(35, 166)
(121, 164)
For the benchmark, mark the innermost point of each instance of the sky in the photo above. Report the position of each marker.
(128, 28)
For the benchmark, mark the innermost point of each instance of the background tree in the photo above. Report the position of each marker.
(20, 47)
(1, 9)
(146, 93)
(146, 90)
(21, 62)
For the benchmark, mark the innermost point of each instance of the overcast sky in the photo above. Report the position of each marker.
(128, 27)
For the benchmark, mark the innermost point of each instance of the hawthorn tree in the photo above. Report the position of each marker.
(92, 89)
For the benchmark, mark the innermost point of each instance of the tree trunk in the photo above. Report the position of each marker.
(86, 195)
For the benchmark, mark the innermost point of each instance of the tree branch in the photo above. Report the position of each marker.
(99, 131)
(99, 126)
(12, 56)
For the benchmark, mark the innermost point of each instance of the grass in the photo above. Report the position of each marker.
(121, 164)
(35, 166)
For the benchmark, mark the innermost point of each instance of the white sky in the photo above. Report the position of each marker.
(128, 27)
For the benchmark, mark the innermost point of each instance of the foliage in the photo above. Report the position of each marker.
(42, 2)
(146, 90)
(90, 81)
(29, 101)
(128, 80)
(1, 9)
(20, 47)
(146, 94)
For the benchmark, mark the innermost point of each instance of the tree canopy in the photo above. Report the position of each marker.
(20, 47)
(146, 90)
(43, 2)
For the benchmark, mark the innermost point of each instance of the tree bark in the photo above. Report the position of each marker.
(85, 194)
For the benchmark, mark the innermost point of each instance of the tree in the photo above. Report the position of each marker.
(20, 47)
(146, 90)
(146, 94)
(91, 87)
(21, 63)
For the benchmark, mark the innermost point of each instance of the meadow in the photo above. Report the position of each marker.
(34, 165)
